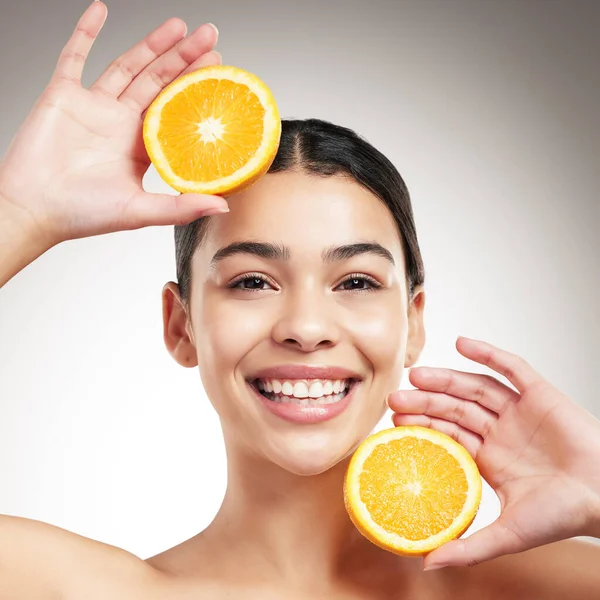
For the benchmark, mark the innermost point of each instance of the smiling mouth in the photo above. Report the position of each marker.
(305, 392)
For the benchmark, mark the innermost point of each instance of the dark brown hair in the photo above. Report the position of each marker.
(322, 148)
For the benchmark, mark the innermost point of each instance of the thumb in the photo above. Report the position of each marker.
(487, 543)
(147, 209)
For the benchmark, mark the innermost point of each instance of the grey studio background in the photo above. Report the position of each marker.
(490, 111)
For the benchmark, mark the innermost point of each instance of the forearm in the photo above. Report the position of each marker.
(21, 240)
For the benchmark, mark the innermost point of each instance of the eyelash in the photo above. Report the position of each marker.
(375, 285)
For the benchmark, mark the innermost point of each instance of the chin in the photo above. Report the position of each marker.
(312, 454)
(307, 468)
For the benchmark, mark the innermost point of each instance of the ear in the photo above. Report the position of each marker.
(416, 328)
(177, 331)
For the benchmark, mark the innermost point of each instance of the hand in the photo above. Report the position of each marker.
(537, 448)
(75, 167)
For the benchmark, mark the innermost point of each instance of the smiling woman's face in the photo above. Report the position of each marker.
(288, 300)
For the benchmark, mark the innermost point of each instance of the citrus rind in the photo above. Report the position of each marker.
(391, 541)
(246, 175)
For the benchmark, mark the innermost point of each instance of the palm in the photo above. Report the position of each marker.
(523, 462)
(87, 145)
(92, 152)
(535, 446)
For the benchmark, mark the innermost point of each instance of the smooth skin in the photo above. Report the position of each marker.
(536, 447)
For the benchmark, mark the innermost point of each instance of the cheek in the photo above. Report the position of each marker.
(227, 331)
(380, 334)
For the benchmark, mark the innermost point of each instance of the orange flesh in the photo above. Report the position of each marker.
(413, 487)
(192, 158)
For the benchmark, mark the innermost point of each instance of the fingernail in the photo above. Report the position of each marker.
(216, 211)
(433, 567)
(214, 27)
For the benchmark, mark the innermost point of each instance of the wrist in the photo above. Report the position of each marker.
(22, 238)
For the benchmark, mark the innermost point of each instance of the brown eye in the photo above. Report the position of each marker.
(250, 283)
(253, 283)
(360, 283)
(356, 283)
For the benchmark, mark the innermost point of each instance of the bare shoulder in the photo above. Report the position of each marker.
(567, 569)
(41, 561)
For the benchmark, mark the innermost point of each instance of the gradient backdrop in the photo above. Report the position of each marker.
(490, 111)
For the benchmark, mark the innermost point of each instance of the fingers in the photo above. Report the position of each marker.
(469, 415)
(471, 441)
(206, 60)
(158, 74)
(123, 70)
(511, 366)
(73, 56)
(163, 209)
(487, 543)
(483, 389)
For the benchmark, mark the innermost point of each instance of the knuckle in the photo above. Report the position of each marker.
(121, 67)
(455, 432)
(485, 430)
(82, 31)
(508, 372)
(428, 401)
(459, 413)
(480, 391)
(157, 79)
(72, 55)
(450, 381)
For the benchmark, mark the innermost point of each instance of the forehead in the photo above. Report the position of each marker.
(305, 213)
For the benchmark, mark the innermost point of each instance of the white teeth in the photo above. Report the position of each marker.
(322, 401)
(300, 390)
(316, 390)
(305, 392)
(304, 388)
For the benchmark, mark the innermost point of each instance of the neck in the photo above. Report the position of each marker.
(293, 527)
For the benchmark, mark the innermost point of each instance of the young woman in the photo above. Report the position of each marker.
(314, 275)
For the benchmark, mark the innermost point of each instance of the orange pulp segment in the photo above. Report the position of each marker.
(411, 489)
(213, 131)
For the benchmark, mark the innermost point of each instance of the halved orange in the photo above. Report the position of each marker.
(410, 489)
(213, 131)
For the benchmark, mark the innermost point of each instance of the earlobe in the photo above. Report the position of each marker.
(176, 331)
(416, 328)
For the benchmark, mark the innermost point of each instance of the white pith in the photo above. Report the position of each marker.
(211, 130)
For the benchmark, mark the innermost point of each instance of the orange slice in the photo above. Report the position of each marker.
(411, 489)
(213, 131)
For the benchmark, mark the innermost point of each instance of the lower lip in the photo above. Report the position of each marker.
(298, 413)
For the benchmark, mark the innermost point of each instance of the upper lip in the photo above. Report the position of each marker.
(283, 372)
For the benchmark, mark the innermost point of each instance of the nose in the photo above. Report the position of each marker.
(307, 322)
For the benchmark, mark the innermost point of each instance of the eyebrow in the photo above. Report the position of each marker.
(271, 251)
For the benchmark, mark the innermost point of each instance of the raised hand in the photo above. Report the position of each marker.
(75, 167)
(538, 449)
